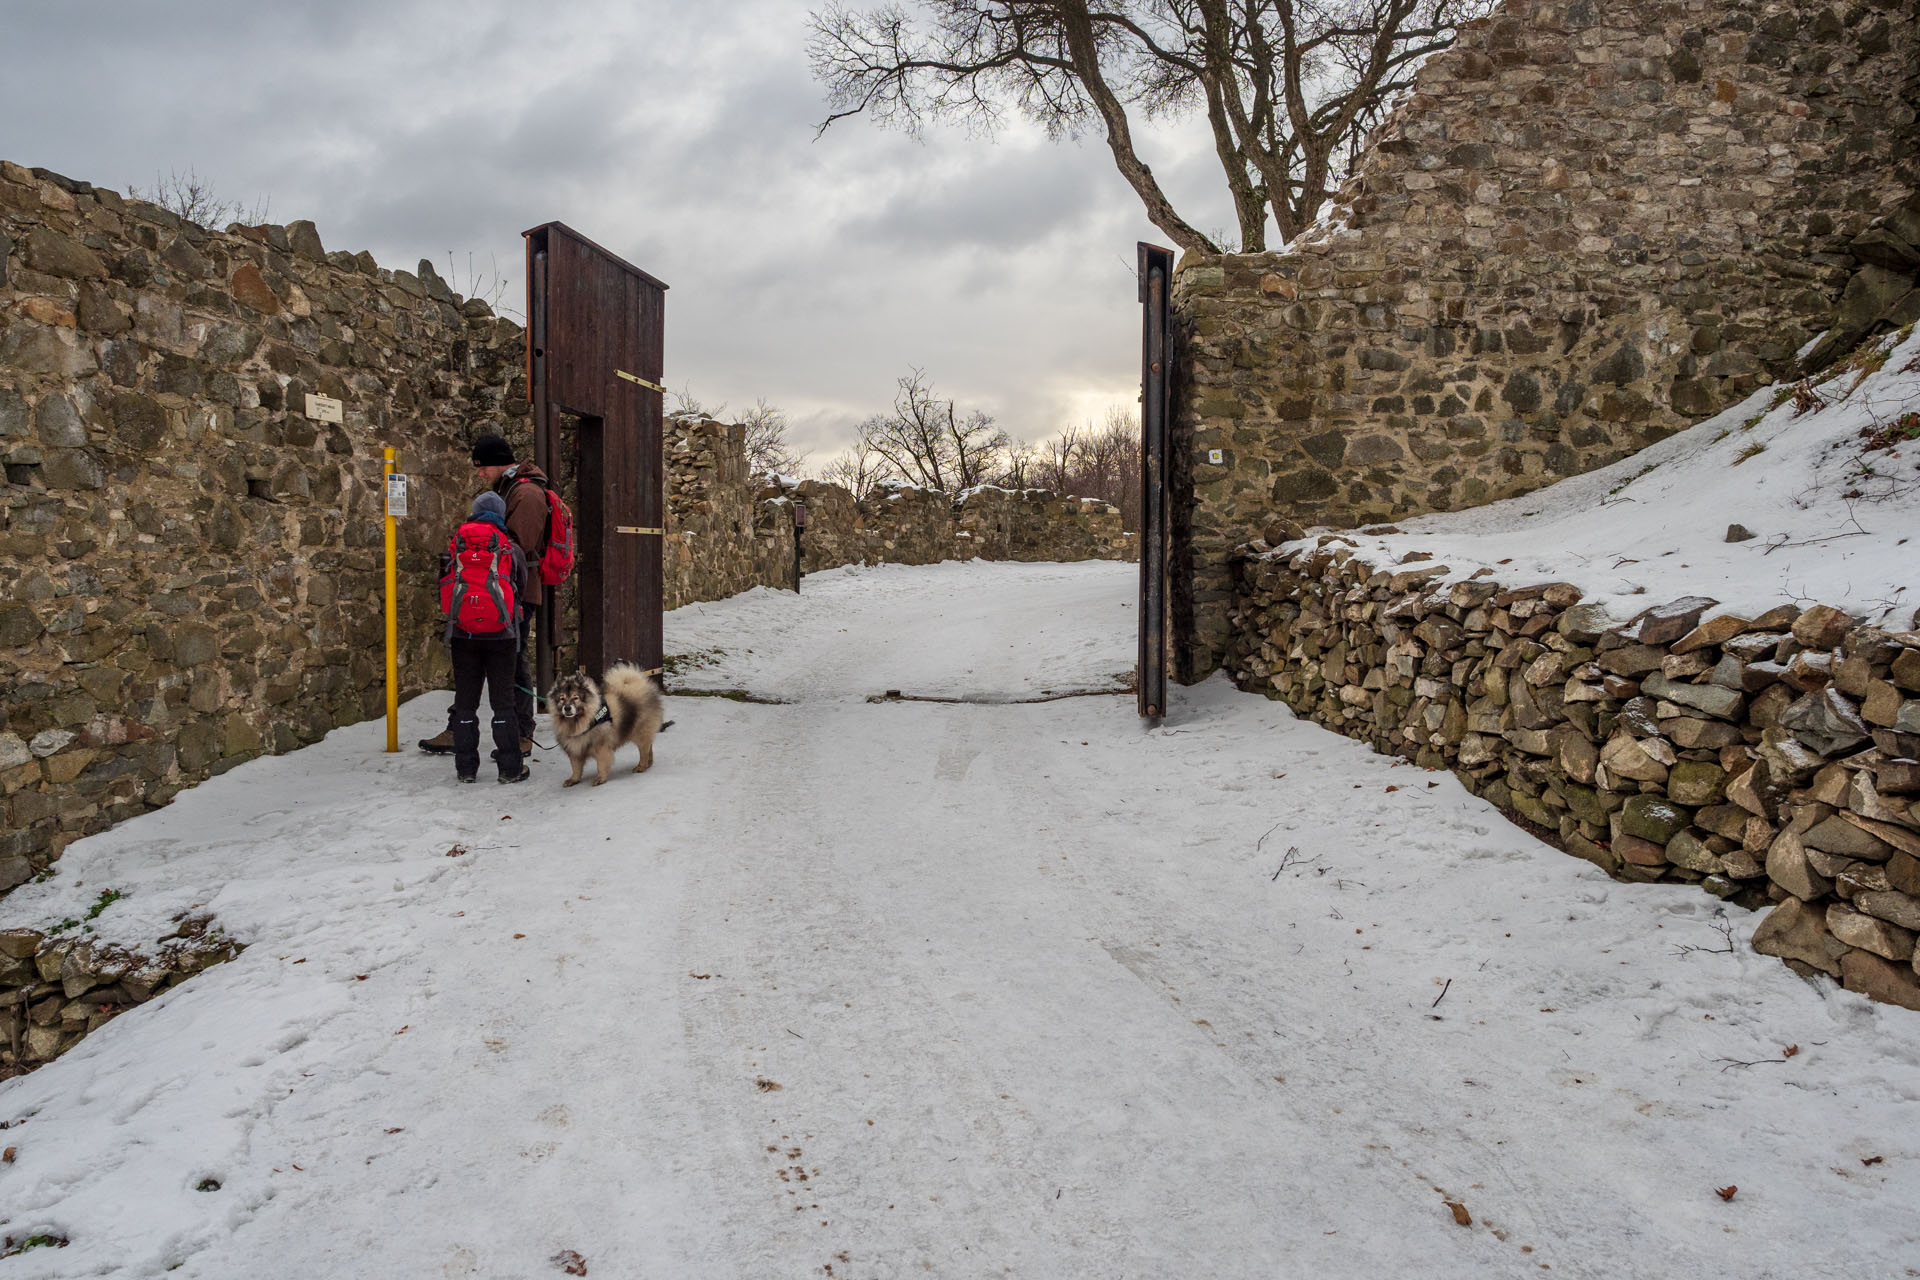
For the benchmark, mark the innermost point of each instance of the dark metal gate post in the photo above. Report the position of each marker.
(542, 450)
(1155, 271)
(595, 346)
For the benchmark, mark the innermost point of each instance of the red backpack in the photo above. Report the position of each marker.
(556, 557)
(477, 589)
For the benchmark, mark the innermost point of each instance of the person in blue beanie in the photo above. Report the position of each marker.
(486, 578)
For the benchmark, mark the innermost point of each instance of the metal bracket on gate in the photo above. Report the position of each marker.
(634, 528)
(632, 377)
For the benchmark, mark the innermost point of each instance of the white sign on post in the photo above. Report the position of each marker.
(323, 408)
(396, 494)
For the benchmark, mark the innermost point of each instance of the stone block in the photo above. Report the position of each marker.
(1636, 852)
(1879, 979)
(1822, 627)
(1890, 905)
(1710, 699)
(1788, 867)
(1796, 931)
(1687, 850)
(1654, 818)
(1696, 782)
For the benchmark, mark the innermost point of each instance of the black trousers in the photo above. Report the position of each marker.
(523, 677)
(484, 661)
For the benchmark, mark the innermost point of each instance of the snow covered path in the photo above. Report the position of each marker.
(853, 990)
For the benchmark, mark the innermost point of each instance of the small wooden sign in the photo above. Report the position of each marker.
(323, 408)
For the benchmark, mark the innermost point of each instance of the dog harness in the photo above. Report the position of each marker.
(602, 716)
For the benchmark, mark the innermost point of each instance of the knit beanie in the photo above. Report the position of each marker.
(490, 503)
(492, 451)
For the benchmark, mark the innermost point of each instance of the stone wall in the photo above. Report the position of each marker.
(728, 530)
(56, 989)
(713, 519)
(193, 567)
(1769, 760)
(1591, 223)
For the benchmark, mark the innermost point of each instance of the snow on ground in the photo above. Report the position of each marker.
(876, 990)
(1653, 527)
(1054, 628)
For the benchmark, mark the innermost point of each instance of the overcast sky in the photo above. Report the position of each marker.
(678, 134)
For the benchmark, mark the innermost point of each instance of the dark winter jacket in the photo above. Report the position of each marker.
(524, 487)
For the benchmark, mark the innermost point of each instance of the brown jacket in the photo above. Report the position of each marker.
(526, 516)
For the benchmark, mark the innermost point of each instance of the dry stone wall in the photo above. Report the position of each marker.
(1591, 223)
(55, 989)
(192, 566)
(728, 530)
(1770, 760)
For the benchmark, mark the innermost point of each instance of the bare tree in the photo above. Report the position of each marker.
(768, 452)
(925, 441)
(1020, 466)
(1289, 87)
(857, 469)
(192, 197)
(1092, 462)
(686, 408)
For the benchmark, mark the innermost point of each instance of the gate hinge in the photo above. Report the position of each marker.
(633, 377)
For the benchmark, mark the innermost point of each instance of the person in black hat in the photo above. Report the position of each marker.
(523, 485)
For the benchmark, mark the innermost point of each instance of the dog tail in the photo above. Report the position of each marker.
(623, 679)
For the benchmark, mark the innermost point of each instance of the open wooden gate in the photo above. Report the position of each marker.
(595, 339)
(1156, 271)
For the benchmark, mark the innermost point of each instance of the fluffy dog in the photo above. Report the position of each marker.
(594, 719)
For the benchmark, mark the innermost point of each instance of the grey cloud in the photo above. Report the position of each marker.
(681, 136)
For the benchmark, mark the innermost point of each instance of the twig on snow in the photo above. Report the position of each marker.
(1442, 996)
(1291, 858)
(1724, 928)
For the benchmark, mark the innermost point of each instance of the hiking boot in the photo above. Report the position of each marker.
(522, 776)
(526, 751)
(467, 777)
(442, 745)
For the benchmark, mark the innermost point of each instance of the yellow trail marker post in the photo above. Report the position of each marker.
(393, 626)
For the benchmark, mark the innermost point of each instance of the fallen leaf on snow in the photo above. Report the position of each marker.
(456, 851)
(765, 1085)
(570, 1262)
(1725, 1193)
(6, 1157)
(1790, 1050)
(1866, 1160)
(1460, 1214)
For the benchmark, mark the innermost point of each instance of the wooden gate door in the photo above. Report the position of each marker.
(595, 340)
(1156, 271)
